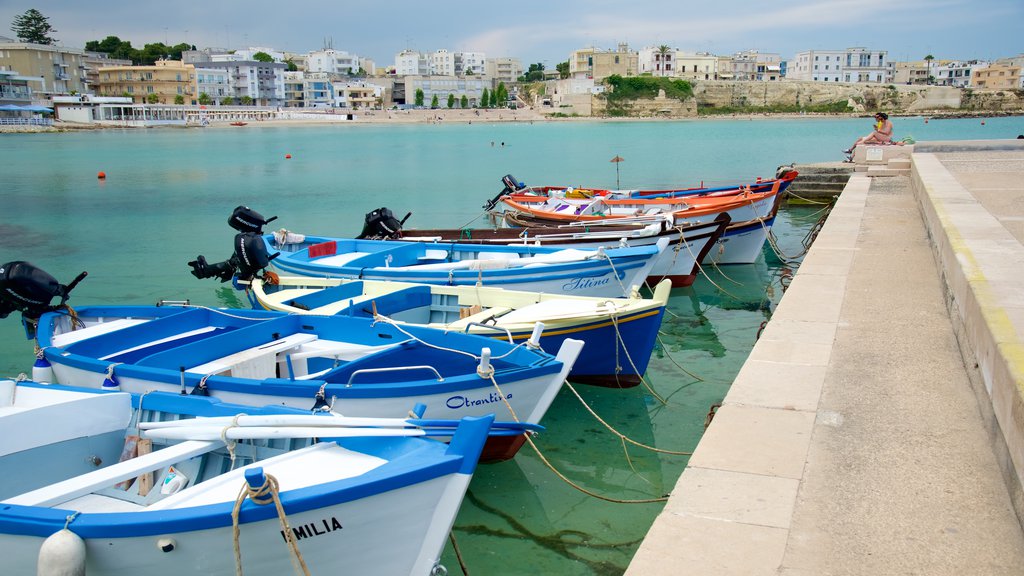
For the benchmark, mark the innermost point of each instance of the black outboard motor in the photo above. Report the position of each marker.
(249, 259)
(28, 289)
(381, 224)
(245, 219)
(250, 253)
(511, 185)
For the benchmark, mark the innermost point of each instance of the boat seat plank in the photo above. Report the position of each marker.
(62, 340)
(181, 336)
(252, 354)
(87, 483)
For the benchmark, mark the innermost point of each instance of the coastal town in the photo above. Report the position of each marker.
(107, 81)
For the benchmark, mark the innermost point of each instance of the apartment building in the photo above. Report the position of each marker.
(698, 66)
(165, 82)
(854, 65)
(214, 83)
(753, 65)
(93, 62)
(332, 61)
(998, 76)
(441, 86)
(600, 64)
(505, 70)
(294, 89)
(411, 63)
(357, 95)
(956, 73)
(15, 89)
(911, 73)
(263, 82)
(59, 70)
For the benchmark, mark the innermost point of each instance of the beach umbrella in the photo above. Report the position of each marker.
(616, 160)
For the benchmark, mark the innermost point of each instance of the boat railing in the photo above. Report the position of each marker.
(393, 369)
(490, 327)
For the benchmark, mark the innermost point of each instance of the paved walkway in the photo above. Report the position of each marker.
(852, 441)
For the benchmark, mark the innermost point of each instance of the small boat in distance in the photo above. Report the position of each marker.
(239, 123)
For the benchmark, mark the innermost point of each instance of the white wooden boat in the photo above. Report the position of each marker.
(127, 501)
(618, 333)
(354, 365)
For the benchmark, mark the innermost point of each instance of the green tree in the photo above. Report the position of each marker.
(464, 103)
(245, 100)
(485, 99)
(227, 101)
(563, 69)
(501, 95)
(204, 99)
(292, 67)
(115, 47)
(663, 51)
(494, 99)
(179, 99)
(153, 98)
(535, 73)
(33, 27)
(928, 61)
(262, 57)
(433, 102)
(419, 97)
(451, 101)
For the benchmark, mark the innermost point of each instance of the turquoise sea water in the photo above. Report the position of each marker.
(168, 194)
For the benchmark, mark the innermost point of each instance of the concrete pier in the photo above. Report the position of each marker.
(878, 424)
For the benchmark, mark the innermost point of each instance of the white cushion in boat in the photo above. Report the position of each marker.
(555, 309)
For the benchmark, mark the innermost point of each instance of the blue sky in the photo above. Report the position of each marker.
(548, 30)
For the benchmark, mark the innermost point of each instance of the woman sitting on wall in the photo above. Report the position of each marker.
(882, 133)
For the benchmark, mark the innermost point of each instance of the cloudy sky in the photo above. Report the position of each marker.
(547, 30)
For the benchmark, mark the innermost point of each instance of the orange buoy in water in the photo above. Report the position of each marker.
(102, 175)
(287, 156)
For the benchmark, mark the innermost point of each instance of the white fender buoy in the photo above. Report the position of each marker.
(62, 554)
(42, 371)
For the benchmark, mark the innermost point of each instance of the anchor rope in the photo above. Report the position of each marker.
(268, 492)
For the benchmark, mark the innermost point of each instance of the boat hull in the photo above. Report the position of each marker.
(335, 538)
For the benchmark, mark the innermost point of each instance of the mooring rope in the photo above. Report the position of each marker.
(458, 553)
(563, 477)
(268, 492)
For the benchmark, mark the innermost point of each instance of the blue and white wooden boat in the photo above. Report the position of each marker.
(603, 272)
(618, 333)
(102, 488)
(354, 366)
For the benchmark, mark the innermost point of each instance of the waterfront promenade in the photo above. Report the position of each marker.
(877, 426)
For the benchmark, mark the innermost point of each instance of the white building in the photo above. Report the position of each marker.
(854, 65)
(957, 73)
(213, 82)
(261, 81)
(357, 95)
(473, 63)
(652, 61)
(332, 61)
(411, 63)
(696, 66)
(442, 63)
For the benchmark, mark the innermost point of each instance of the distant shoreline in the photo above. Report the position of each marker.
(493, 116)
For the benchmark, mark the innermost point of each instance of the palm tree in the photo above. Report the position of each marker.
(663, 51)
(928, 61)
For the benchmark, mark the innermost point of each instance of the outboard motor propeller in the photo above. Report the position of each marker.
(381, 224)
(511, 185)
(28, 289)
